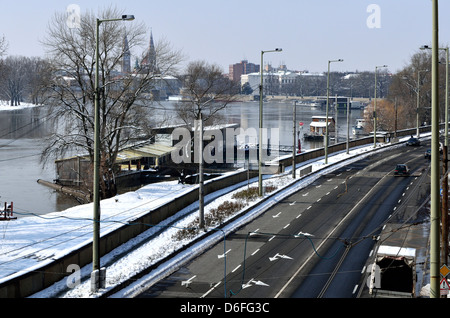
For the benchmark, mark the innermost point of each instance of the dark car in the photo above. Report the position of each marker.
(413, 142)
(401, 170)
(428, 154)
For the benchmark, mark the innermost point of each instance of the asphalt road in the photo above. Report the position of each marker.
(294, 248)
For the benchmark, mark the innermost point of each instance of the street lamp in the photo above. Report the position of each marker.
(375, 108)
(96, 181)
(444, 217)
(417, 91)
(434, 197)
(326, 116)
(426, 47)
(261, 119)
(418, 103)
(294, 118)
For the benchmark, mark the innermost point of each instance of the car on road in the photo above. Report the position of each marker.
(413, 142)
(401, 170)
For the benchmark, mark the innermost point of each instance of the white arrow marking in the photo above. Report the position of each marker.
(255, 282)
(248, 284)
(275, 216)
(260, 283)
(188, 282)
(279, 256)
(304, 234)
(305, 194)
(223, 255)
(293, 203)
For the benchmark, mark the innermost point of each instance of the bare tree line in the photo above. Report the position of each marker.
(24, 79)
(410, 94)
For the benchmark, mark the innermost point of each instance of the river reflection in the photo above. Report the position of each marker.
(22, 132)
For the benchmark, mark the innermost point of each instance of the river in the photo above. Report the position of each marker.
(22, 132)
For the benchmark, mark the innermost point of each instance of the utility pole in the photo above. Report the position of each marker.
(201, 200)
(294, 118)
(261, 95)
(97, 277)
(348, 126)
(444, 220)
(326, 112)
(435, 218)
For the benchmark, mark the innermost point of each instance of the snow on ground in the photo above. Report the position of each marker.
(29, 242)
(6, 105)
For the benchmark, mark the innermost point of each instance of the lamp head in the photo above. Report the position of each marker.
(128, 17)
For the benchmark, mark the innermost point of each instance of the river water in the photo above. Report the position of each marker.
(22, 132)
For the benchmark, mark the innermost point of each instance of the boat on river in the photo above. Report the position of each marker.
(318, 126)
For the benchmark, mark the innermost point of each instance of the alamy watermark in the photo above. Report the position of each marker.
(73, 20)
(374, 19)
(74, 279)
(219, 146)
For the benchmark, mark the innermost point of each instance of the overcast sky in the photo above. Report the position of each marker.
(365, 33)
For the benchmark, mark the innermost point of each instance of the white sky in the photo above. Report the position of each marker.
(227, 31)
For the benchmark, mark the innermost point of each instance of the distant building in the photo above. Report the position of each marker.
(274, 81)
(244, 67)
(126, 58)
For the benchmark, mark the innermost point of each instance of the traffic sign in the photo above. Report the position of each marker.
(444, 286)
(444, 270)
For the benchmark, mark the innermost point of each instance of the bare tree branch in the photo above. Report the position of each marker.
(125, 99)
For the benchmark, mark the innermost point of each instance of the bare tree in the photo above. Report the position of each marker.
(3, 45)
(24, 79)
(206, 91)
(15, 76)
(411, 87)
(39, 78)
(125, 98)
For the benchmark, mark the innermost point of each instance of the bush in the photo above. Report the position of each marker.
(224, 210)
(252, 193)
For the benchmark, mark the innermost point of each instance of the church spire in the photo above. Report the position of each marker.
(126, 58)
(149, 60)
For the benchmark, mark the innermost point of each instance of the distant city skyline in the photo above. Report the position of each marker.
(363, 33)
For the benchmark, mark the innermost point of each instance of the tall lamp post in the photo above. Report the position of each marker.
(418, 102)
(434, 213)
(444, 216)
(426, 47)
(294, 118)
(375, 108)
(417, 91)
(326, 115)
(96, 181)
(261, 119)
